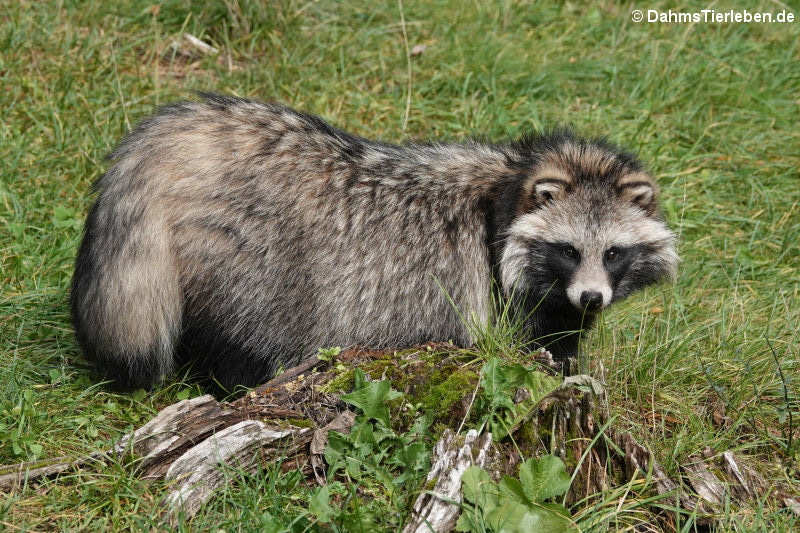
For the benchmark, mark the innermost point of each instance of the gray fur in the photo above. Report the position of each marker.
(247, 235)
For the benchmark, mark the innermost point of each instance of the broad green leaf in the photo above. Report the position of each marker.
(479, 488)
(512, 488)
(359, 379)
(513, 517)
(469, 520)
(353, 467)
(539, 385)
(328, 354)
(362, 435)
(371, 397)
(497, 380)
(385, 436)
(413, 457)
(508, 517)
(556, 508)
(544, 477)
(183, 394)
(473, 482)
(491, 379)
(338, 446)
(420, 425)
(546, 520)
(500, 382)
(319, 505)
(269, 524)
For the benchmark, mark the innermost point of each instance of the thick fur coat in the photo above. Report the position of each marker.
(244, 236)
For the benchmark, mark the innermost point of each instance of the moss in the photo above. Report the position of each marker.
(300, 422)
(440, 398)
(430, 484)
(340, 383)
(384, 368)
(432, 382)
(286, 423)
(529, 438)
(438, 376)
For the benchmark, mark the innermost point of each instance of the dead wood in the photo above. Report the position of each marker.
(438, 509)
(746, 483)
(159, 441)
(174, 430)
(305, 366)
(572, 414)
(199, 471)
(704, 483)
(15, 476)
(640, 461)
(319, 441)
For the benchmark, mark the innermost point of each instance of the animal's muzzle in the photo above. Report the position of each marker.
(591, 300)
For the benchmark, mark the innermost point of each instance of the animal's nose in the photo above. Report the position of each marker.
(591, 300)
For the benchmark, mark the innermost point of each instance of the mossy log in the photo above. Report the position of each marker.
(290, 417)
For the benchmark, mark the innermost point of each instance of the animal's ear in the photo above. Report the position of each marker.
(547, 184)
(638, 188)
(547, 189)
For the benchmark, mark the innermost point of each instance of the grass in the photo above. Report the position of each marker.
(712, 107)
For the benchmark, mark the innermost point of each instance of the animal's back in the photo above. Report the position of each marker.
(248, 235)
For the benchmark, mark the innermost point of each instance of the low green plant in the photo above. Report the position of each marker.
(499, 383)
(516, 504)
(384, 464)
(328, 354)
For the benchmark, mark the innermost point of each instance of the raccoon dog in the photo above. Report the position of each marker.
(244, 236)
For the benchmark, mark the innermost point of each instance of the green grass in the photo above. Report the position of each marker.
(713, 109)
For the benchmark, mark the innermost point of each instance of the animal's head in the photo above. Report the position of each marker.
(587, 228)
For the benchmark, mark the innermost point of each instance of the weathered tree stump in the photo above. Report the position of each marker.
(438, 509)
(191, 442)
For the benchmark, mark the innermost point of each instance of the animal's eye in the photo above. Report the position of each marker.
(569, 252)
(613, 254)
(546, 196)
